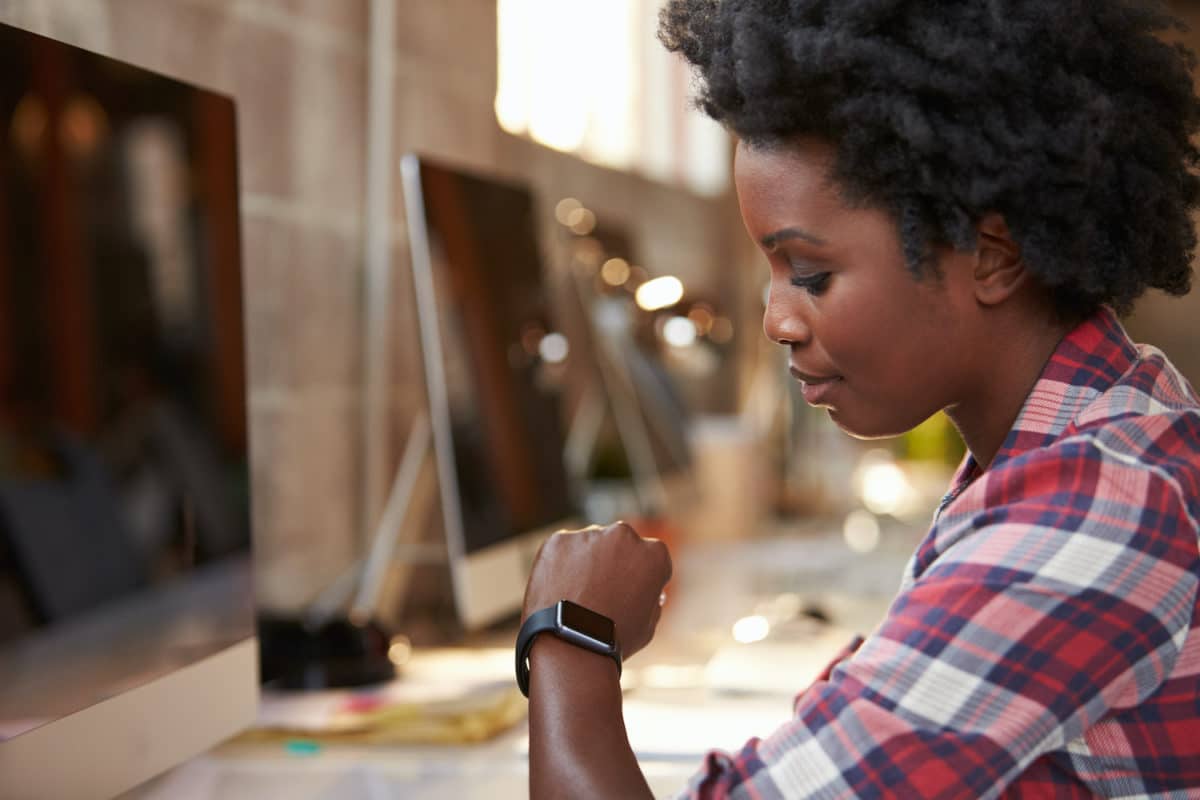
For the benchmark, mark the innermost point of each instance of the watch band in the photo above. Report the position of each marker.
(550, 620)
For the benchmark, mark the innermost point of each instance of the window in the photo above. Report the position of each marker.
(589, 77)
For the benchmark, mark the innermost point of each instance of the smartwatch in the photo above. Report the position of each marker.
(572, 623)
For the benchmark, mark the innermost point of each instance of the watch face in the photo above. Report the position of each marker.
(589, 623)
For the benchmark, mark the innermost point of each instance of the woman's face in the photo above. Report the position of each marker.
(878, 348)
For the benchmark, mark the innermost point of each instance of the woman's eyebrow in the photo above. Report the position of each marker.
(771, 239)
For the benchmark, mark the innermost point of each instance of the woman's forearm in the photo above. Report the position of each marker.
(578, 747)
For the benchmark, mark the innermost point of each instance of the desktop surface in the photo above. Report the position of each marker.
(694, 688)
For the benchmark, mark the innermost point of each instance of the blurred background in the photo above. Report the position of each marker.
(577, 100)
(596, 299)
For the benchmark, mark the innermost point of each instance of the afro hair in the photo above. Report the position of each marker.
(1071, 118)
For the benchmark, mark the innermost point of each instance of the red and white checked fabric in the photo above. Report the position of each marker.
(1045, 641)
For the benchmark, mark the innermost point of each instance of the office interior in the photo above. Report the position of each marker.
(788, 536)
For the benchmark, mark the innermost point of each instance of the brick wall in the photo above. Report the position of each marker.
(298, 71)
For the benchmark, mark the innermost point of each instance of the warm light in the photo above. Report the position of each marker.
(29, 122)
(588, 254)
(751, 629)
(721, 330)
(882, 485)
(400, 650)
(554, 348)
(83, 125)
(861, 531)
(581, 221)
(563, 209)
(615, 271)
(679, 332)
(531, 337)
(514, 67)
(553, 57)
(565, 72)
(702, 318)
(659, 293)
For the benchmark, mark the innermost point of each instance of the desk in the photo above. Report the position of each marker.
(673, 712)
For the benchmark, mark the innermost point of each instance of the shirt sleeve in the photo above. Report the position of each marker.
(1067, 595)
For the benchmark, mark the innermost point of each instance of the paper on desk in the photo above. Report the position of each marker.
(443, 696)
(749, 691)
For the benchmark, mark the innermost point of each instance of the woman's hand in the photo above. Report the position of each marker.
(611, 571)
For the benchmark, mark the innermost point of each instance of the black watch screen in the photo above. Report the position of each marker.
(589, 623)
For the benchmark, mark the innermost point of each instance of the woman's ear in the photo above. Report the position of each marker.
(999, 269)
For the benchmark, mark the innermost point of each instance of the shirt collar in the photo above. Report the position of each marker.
(1087, 362)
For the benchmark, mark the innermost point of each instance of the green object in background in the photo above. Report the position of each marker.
(301, 747)
(935, 439)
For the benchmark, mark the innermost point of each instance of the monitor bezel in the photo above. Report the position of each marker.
(108, 748)
(140, 731)
(488, 584)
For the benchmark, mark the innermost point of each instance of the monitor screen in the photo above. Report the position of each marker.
(490, 349)
(124, 480)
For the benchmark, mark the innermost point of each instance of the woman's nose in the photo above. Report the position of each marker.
(783, 322)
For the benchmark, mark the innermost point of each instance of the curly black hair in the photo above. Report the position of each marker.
(1071, 118)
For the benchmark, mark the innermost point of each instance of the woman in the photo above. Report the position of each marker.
(955, 200)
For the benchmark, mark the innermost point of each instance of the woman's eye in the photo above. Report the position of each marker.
(814, 284)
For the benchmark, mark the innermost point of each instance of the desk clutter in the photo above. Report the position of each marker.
(442, 696)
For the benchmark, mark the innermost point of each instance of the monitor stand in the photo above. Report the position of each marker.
(340, 652)
(324, 647)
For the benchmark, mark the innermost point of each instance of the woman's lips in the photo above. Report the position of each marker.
(815, 388)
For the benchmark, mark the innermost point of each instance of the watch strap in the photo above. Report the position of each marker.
(538, 622)
(546, 621)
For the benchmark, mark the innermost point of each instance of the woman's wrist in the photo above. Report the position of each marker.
(577, 741)
(558, 664)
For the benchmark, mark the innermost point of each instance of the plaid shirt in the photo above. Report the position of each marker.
(1039, 645)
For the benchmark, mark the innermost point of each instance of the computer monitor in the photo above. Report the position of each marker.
(629, 417)
(490, 348)
(126, 609)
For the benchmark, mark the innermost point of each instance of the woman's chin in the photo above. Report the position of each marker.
(866, 429)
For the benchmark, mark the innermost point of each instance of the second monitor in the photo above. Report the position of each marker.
(489, 346)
